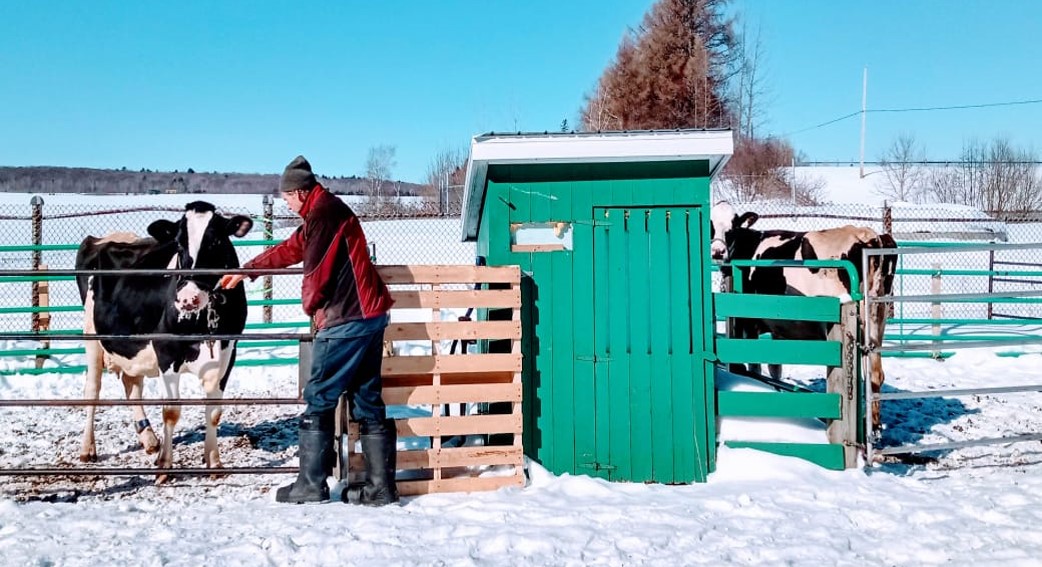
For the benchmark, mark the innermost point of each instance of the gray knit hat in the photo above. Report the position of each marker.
(297, 175)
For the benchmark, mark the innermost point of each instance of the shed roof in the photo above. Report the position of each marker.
(716, 146)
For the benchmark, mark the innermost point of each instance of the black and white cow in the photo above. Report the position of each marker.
(163, 304)
(734, 239)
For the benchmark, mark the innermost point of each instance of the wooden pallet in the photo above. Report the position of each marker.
(434, 297)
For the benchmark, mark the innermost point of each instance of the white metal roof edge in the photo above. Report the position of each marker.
(716, 146)
(643, 146)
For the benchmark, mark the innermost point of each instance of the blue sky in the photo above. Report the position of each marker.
(245, 86)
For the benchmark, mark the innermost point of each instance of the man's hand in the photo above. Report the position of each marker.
(229, 281)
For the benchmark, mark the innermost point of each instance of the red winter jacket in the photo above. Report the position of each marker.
(340, 282)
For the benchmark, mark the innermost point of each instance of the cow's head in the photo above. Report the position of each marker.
(203, 241)
(722, 220)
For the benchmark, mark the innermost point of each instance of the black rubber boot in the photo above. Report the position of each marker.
(316, 463)
(381, 460)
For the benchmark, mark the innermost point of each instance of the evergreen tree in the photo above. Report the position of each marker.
(672, 72)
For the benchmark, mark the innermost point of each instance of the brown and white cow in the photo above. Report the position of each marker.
(128, 304)
(734, 239)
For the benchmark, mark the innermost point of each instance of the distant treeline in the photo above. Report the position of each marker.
(101, 181)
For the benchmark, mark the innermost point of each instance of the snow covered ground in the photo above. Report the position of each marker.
(972, 506)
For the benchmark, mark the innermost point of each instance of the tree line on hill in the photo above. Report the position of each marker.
(47, 179)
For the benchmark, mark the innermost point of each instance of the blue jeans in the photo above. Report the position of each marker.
(347, 359)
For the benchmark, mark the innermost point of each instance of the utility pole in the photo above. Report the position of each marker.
(864, 104)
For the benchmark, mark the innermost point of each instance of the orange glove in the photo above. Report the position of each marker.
(230, 280)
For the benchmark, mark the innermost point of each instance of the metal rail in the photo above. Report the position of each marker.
(155, 272)
(931, 344)
(23, 336)
(957, 392)
(154, 402)
(911, 449)
(134, 471)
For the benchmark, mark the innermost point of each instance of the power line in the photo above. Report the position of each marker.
(916, 109)
(959, 107)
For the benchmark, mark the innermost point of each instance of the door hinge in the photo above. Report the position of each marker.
(593, 222)
(593, 358)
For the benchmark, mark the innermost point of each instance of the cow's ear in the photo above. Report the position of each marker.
(163, 230)
(239, 225)
(747, 220)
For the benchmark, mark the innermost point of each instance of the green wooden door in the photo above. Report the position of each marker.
(649, 356)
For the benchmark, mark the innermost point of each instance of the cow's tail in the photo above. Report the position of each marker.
(888, 264)
(880, 282)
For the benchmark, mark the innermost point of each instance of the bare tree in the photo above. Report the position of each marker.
(750, 86)
(378, 166)
(760, 169)
(995, 177)
(445, 171)
(903, 170)
(945, 184)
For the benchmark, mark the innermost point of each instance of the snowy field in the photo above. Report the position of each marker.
(975, 506)
(972, 506)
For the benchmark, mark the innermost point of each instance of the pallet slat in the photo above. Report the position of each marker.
(449, 394)
(442, 274)
(450, 364)
(452, 457)
(449, 330)
(461, 484)
(456, 299)
(461, 425)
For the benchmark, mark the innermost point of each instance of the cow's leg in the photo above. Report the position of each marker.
(172, 384)
(875, 361)
(775, 371)
(91, 388)
(211, 379)
(133, 386)
(875, 358)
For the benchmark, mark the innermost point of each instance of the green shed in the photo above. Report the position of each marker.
(611, 231)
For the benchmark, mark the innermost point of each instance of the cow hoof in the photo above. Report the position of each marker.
(88, 457)
(149, 441)
(213, 461)
(162, 478)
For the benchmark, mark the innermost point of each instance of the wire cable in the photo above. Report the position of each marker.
(915, 109)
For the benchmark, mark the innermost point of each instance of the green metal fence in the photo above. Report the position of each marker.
(789, 404)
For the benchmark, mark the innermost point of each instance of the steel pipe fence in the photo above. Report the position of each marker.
(935, 226)
(43, 233)
(934, 342)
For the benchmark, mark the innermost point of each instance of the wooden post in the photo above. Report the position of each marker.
(843, 381)
(36, 204)
(269, 233)
(44, 321)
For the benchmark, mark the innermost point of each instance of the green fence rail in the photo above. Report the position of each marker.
(782, 404)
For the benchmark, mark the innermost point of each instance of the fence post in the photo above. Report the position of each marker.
(991, 281)
(888, 228)
(269, 234)
(36, 216)
(935, 307)
(842, 380)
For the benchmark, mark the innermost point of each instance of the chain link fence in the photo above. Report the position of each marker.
(41, 233)
(44, 233)
(938, 226)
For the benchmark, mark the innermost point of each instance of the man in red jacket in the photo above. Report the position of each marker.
(349, 303)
